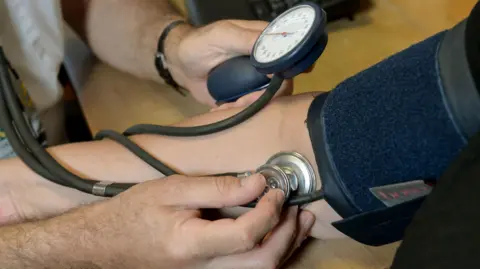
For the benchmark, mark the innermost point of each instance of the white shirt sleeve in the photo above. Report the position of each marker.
(31, 34)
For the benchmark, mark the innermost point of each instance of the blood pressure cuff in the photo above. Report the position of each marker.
(445, 230)
(384, 137)
(378, 226)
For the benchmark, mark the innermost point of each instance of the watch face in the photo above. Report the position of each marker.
(284, 34)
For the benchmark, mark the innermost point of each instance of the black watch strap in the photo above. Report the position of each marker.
(160, 59)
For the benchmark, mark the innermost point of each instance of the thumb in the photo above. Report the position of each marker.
(213, 192)
(246, 100)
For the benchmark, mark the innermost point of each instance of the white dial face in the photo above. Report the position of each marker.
(284, 34)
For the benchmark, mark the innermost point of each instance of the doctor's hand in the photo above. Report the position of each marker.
(158, 224)
(193, 52)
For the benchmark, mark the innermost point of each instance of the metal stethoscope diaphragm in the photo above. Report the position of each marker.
(291, 172)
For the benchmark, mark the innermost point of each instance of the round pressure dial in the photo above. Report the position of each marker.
(296, 37)
(285, 34)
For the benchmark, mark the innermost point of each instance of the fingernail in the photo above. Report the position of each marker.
(251, 180)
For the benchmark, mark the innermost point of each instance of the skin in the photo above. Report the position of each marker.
(279, 127)
(190, 52)
(39, 217)
(169, 226)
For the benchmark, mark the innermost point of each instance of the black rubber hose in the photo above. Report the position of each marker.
(24, 151)
(15, 141)
(41, 162)
(230, 122)
(297, 200)
(137, 150)
(144, 155)
(306, 198)
(43, 157)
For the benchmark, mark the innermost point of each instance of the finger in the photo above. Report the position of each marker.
(306, 221)
(280, 242)
(286, 88)
(266, 216)
(270, 253)
(242, 102)
(310, 69)
(228, 236)
(305, 224)
(238, 40)
(246, 100)
(225, 106)
(254, 25)
(212, 192)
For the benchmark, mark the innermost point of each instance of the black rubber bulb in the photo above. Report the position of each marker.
(235, 78)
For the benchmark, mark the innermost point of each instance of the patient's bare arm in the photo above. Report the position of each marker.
(279, 127)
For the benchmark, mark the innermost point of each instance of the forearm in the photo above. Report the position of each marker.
(279, 127)
(60, 243)
(244, 147)
(124, 34)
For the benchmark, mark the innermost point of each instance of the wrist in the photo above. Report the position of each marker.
(173, 41)
(171, 45)
(9, 213)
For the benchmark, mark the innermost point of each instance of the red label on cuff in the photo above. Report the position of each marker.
(395, 194)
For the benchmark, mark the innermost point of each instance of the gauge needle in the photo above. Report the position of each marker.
(282, 34)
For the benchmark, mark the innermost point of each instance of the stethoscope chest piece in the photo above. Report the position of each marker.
(290, 172)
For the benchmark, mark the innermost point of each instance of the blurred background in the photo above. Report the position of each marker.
(361, 32)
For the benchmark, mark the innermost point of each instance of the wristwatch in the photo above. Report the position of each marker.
(160, 59)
